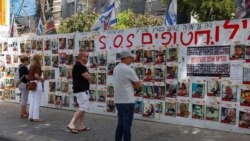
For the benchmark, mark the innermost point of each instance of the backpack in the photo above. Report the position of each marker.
(17, 79)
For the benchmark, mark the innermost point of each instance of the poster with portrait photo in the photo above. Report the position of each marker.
(102, 59)
(8, 59)
(39, 44)
(138, 56)
(110, 91)
(51, 98)
(198, 89)
(63, 58)
(110, 106)
(247, 53)
(62, 71)
(148, 73)
(94, 77)
(212, 111)
(183, 88)
(69, 59)
(139, 72)
(71, 44)
(148, 57)
(55, 61)
(64, 87)
(62, 43)
(28, 46)
(15, 59)
(213, 88)
(111, 67)
(198, 111)
(138, 107)
(69, 72)
(148, 110)
(52, 86)
(5, 46)
(101, 95)
(47, 60)
(54, 46)
(58, 85)
(244, 119)
(245, 97)
(160, 58)
(102, 80)
(148, 90)
(229, 92)
(171, 89)
(172, 71)
(47, 45)
(87, 45)
(170, 108)
(66, 101)
(159, 74)
(183, 108)
(172, 54)
(228, 115)
(58, 101)
(237, 52)
(46, 74)
(92, 95)
(159, 91)
(246, 74)
(93, 60)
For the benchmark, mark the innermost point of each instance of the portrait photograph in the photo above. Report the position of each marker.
(198, 90)
(102, 59)
(229, 92)
(170, 109)
(160, 57)
(244, 120)
(172, 54)
(148, 110)
(92, 95)
(159, 74)
(172, 71)
(139, 72)
(110, 92)
(71, 43)
(111, 67)
(51, 98)
(39, 44)
(138, 107)
(198, 111)
(214, 88)
(212, 113)
(47, 45)
(148, 74)
(54, 46)
(183, 89)
(245, 98)
(93, 60)
(52, 86)
(63, 71)
(101, 96)
(238, 52)
(94, 78)
(159, 92)
(138, 56)
(62, 43)
(102, 78)
(183, 109)
(110, 106)
(247, 53)
(228, 115)
(148, 91)
(47, 60)
(58, 101)
(171, 90)
(148, 56)
(66, 101)
(34, 46)
(63, 58)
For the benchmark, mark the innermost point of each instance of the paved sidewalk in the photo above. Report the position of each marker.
(103, 127)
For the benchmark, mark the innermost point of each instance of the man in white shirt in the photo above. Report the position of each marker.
(125, 80)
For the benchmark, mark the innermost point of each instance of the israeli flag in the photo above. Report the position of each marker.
(171, 12)
(106, 20)
(40, 27)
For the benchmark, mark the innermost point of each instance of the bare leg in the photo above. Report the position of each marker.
(81, 120)
(75, 118)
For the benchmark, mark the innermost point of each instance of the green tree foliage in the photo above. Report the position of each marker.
(81, 22)
(128, 19)
(207, 10)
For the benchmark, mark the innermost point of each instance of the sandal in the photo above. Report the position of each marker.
(85, 129)
(24, 115)
(74, 131)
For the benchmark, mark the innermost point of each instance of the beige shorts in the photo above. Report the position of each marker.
(83, 100)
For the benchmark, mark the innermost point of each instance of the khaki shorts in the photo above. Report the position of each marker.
(83, 100)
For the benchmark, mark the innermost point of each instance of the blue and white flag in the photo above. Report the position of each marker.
(106, 20)
(40, 27)
(171, 12)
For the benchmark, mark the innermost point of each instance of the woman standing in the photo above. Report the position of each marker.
(23, 72)
(35, 73)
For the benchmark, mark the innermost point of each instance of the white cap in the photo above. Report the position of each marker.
(126, 53)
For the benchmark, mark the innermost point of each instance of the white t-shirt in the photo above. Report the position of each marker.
(123, 87)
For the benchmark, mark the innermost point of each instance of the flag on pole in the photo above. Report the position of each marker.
(171, 12)
(106, 20)
(40, 27)
(13, 28)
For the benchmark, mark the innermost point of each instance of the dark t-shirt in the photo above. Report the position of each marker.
(23, 70)
(80, 84)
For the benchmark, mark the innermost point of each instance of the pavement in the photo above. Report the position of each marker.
(12, 128)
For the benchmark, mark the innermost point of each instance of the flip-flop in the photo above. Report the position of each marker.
(84, 129)
(74, 131)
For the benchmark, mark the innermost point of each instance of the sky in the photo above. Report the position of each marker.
(28, 7)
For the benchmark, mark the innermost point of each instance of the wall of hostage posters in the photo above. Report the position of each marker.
(188, 71)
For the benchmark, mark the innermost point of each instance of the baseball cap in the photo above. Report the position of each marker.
(126, 53)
